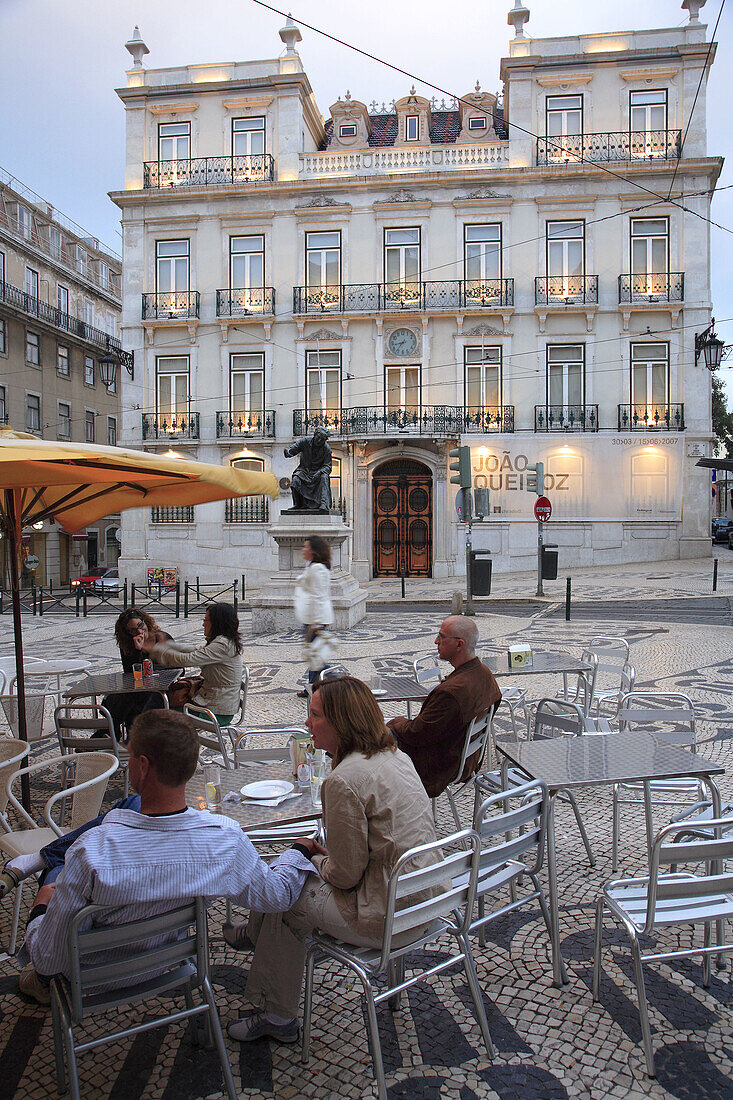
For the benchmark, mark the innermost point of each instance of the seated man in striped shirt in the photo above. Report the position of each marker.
(148, 861)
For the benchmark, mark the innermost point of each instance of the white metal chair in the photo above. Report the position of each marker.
(612, 655)
(581, 691)
(156, 956)
(670, 716)
(75, 804)
(211, 733)
(663, 903)
(423, 904)
(475, 743)
(35, 709)
(86, 727)
(12, 752)
(427, 669)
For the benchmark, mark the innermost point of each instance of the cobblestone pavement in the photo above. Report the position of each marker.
(551, 1043)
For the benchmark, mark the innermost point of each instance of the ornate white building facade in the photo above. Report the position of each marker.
(526, 277)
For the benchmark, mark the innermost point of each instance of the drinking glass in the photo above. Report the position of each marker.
(212, 786)
(376, 682)
(318, 773)
(137, 672)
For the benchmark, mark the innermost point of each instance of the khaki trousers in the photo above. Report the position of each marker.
(275, 978)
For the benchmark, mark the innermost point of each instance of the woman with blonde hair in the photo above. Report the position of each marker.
(374, 810)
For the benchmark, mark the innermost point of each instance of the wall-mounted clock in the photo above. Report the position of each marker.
(402, 341)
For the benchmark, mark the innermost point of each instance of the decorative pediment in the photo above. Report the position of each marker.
(402, 196)
(322, 200)
(323, 334)
(484, 330)
(484, 193)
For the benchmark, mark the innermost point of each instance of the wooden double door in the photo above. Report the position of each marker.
(403, 519)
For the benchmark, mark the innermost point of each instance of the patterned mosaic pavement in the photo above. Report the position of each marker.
(551, 1044)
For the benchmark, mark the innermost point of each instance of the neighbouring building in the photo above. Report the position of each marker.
(524, 273)
(60, 305)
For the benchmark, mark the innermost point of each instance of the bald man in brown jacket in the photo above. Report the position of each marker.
(434, 739)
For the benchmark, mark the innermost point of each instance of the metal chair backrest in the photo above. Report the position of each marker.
(427, 669)
(242, 709)
(265, 755)
(12, 751)
(450, 880)
(173, 946)
(478, 733)
(76, 722)
(511, 824)
(669, 715)
(333, 672)
(558, 718)
(208, 729)
(612, 653)
(689, 892)
(35, 704)
(80, 801)
(3, 682)
(585, 682)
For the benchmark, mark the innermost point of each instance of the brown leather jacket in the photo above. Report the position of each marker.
(434, 739)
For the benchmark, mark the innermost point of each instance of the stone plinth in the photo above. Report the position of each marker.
(272, 608)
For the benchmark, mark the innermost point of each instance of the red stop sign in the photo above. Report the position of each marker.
(542, 509)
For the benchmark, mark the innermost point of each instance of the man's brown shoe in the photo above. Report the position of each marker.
(34, 986)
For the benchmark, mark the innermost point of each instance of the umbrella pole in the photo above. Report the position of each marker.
(12, 511)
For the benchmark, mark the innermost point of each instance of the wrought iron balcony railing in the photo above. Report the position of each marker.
(305, 422)
(394, 297)
(168, 426)
(655, 417)
(173, 306)
(209, 171)
(566, 418)
(245, 303)
(106, 280)
(450, 420)
(172, 515)
(664, 286)
(247, 510)
(605, 148)
(482, 419)
(34, 307)
(566, 290)
(245, 425)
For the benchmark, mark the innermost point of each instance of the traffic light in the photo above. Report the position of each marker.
(462, 466)
(481, 502)
(535, 479)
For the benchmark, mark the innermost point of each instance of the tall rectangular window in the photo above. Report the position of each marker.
(111, 431)
(172, 388)
(481, 254)
(323, 268)
(649, 256)
(247, 271)
(3, 406)
(33, 349)
(402, 263)
(82, 260)
(32, 412)
(323, 384)
(402, 390)
(62, 360)
(31, 287)
(565, 244)
(247, 388)
(88, 314)
(89, 429)
(62, 299)
(2, 268)
(25, 221)
(111, 324)
(104, 275)
(3, 337)
(174, 141)
(55, 242)
(64, 429)
(248, 137)
(172, 275)
(648, 111)
(563, 125)
(649, 379)
(482, 378)
(412, 128)
(565, 378)
(88, 370)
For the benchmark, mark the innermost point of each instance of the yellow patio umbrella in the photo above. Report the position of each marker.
(75, 484)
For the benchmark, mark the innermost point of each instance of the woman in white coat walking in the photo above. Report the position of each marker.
(313, 607)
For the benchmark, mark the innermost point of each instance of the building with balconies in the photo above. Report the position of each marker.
(60, 306)
(523, 273)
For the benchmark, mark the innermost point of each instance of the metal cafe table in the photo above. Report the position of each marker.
(395, 689)
(591, 760)
(248, 814)
(541, 663)
(121, 683)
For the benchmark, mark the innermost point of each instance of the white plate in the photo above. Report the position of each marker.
(272, 788)
(379, 693)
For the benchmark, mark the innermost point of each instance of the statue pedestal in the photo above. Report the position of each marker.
(272, 608)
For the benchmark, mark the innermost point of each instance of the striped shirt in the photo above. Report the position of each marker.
(149, 865)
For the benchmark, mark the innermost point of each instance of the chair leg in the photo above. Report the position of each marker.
(475, 989)
(214, 1026)
(513, 719)
(615, 815)
(454, 808)
(58, 1044)
(310, 962)
(597, 950)
(581, 827)
(16, 918)
(706, 959)
(395, 976)
(68, 1039)
(548, 924)
(374, 1043)
(434, 804)
(646, 1031)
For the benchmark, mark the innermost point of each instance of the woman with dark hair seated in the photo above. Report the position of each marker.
(374, 810)
(220, 661)
(133, 629)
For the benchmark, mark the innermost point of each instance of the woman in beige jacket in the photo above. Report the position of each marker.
(374, 809)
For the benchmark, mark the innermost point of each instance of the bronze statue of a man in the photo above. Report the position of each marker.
(311, 481)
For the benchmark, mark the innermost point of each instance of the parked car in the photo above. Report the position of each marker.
(101, 577)
(722, 527)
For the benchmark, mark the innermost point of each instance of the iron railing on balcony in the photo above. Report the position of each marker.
(172, 515)
(305, 421)
(605, 148)
(662, 286)
(394, 297)
(245, 303)
(669, 417)
(566, 290)
(34, 307)
(566, 418)
(65, 254)
(172, 306)
(167, 426)
(247, 510)
(482, 419)
(209, 171)
(245, 425)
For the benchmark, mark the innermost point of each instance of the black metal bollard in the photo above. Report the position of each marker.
(235, 594)
(198, 595)
(567, 600)
(715, 576)
(84, 600)
(78, 596)
(33, 592)
(185, 600)
(40, 601)
(402, 581)
(132, 594)
(243, 589)
(50, 587)
(178, 599)
(124, 596)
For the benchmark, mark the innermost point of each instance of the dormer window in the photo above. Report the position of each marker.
(412, 128)
(478, 122)
(348, 130)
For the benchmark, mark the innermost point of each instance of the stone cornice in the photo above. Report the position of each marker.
(562, 79)
(630, 75)
(245, 104)
(173, 108)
